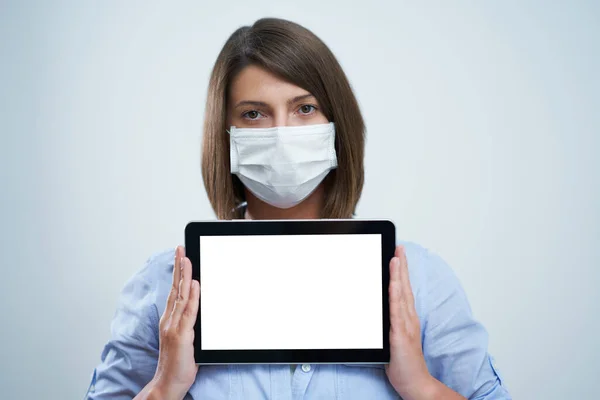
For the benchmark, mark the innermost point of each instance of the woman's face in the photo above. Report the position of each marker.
(259, 99)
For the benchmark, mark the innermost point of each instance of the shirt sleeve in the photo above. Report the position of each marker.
(455, 345)
(129, 359)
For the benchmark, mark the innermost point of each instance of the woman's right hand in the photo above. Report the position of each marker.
(176, 370)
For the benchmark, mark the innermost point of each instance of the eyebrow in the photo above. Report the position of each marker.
(263, 104)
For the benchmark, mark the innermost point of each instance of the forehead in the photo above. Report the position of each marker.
(256, 83)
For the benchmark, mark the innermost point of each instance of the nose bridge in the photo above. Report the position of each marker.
(280, 116)
(284, 116)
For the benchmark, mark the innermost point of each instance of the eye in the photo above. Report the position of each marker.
(307, 109)
(252, 114)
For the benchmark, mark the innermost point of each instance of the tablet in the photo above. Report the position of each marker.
(291, 291)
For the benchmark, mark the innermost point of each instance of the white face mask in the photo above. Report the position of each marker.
(283, 165)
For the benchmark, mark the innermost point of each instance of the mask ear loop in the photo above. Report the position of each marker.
(239, 210)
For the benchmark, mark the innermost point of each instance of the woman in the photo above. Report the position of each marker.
(301, 156)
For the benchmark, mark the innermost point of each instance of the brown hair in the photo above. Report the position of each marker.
(295, 54)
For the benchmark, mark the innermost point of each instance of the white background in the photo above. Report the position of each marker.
(291, 292)
(483, 135)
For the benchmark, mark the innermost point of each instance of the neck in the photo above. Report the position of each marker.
(309, 208)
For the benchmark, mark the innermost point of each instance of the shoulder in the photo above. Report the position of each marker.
(159, 267)
(426, 268)
(438, 292)
(150, 285)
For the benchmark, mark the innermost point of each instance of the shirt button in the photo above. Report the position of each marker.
(306, 367)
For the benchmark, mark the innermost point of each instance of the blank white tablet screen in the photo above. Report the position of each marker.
(266, 292)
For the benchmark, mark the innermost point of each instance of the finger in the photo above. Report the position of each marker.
(399, 252)
(184, 290)
(406, 289)
(395, 292)
(176, 278)
(191, 309)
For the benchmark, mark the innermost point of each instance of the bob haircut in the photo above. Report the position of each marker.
(298, 56)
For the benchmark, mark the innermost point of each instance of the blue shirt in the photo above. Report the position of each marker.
(454, 346)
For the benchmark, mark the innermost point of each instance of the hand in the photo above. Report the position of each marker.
(176, 370)
(407, 371)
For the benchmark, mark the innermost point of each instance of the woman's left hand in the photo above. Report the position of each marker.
(407, 370)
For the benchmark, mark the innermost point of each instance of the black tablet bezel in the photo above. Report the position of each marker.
(193, 232)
